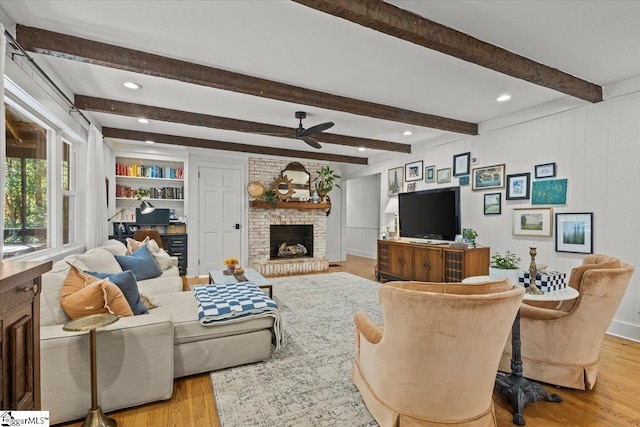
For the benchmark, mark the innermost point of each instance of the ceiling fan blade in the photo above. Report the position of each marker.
(312, 142)
(315, 129)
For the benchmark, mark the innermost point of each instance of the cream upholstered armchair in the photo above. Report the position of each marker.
(435, 361)
(561, 345)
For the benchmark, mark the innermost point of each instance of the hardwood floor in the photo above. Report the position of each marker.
(613, 402)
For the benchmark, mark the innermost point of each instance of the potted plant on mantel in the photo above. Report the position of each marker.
(325, 181)
(505, 266)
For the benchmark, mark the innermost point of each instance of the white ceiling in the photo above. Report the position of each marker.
(290, 43)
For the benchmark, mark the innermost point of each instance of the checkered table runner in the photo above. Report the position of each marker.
(236, 302)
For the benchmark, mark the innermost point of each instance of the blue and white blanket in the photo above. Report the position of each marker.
(226, 303)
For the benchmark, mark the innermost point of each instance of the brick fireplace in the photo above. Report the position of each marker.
(261, 220)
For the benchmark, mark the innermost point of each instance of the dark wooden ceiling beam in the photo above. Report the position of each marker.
(92, 52)
(405, 25)
(134, 135)
(129, 109)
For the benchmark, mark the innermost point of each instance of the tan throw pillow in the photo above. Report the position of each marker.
(76, 279)
(82, 295)
(133, 244)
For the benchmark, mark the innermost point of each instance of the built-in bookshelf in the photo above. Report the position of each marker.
(162, 182)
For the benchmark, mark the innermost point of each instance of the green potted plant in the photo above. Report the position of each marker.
(326, 180)
(270, 197)
(505, 266)
(469, 235)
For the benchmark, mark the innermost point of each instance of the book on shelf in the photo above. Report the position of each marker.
(169, 193)
(149, 171)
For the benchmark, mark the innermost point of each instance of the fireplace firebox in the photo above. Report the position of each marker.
(291, 235)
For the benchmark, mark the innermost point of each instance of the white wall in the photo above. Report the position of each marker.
(596, 147)
(363, 215)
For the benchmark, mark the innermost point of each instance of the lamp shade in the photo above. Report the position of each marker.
(146, 207)
(392, 206)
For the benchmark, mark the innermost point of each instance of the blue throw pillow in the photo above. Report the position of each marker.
(141, 262)
(128, 284)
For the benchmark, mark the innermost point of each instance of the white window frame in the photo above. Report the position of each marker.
(57, 135)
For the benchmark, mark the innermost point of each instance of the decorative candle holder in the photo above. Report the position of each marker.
(533, 274)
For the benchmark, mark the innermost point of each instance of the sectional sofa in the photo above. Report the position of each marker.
(138, 356)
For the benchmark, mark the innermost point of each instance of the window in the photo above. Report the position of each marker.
(68, 193)
(40, 186)
(26, 195)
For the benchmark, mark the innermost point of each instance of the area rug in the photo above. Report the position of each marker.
(308, 382)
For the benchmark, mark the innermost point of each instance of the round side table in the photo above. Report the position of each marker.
(95, 417)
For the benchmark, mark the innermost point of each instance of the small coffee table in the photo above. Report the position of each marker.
(219, 277)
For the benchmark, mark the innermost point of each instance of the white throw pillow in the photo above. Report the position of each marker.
(163, 259)
(101, 260)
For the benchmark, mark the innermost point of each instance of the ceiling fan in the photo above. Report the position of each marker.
(304, 134)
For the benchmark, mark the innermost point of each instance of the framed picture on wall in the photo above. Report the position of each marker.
(546, 170)
(532, 222)
(395, 180)
(413, 171)
(574, 232)
(549, 192)
(487, 177)
(518, 186)
(493, 203)
(430, 174)
(461, 164)
(444, 175)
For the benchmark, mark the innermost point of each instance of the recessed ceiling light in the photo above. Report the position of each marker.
(361, 149)
(407, 133)
(132, 85)
(150, 142)
(503, 98)
(143, 121)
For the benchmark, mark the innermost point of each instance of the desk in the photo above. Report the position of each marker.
(519, 389)
(219, 277)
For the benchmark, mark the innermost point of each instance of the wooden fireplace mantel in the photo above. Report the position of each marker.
(301, 206)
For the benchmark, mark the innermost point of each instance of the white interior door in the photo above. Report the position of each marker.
(219, 216)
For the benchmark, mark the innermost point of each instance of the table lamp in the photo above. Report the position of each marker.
(145, 208)
(392, 208)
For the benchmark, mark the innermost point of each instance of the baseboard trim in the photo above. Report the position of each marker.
(624, 330)
(363, 254)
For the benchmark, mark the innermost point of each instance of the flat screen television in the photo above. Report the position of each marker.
(430, 214)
